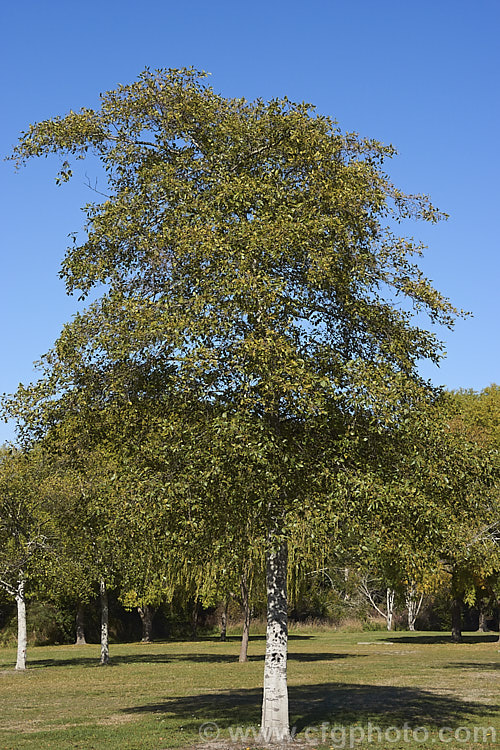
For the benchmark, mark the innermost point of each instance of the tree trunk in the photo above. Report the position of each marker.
(456, 606)
(22, 633)
(412, 605)
(456, 619)
(390, 594)
(346, 594)
(194, 619)
(147, 612)
(223, 621)
(104, 623)
(482, 627)
(80, 626)
(245, 603)
(498, 613)
(275, 724)
(483, 615)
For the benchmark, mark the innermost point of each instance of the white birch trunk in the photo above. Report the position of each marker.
(412, 605)
(22, 633)
(104, 623)
(346, 580)
(390, 595)
(275, 723)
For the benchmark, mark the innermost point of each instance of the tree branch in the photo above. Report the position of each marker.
(364, 590)
(8, 588)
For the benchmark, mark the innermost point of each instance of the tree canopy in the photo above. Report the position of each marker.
(247, 245)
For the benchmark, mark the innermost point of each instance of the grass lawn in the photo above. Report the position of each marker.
(342, 687)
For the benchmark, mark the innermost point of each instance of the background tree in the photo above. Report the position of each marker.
(474, 418)
(28, 540)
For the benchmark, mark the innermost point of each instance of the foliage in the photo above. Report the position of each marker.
(28, 536)
(477, 414)
(474, 420)
(243, 246)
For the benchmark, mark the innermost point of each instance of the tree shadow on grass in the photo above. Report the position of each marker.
(262, 637)
(480, 666)
(335, 703)
(444, 639)
(229, 658)
(197, 658)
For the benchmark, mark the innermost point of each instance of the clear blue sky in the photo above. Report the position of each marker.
(422, 76)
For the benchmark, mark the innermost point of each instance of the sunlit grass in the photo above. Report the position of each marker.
(157, 696)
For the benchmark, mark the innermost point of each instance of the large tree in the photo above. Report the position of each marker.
(250, 248)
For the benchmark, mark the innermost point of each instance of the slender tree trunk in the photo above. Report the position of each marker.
(22, 633)
(498, 613)
(104, 623)
(456, 606)
(147, 612)
(390, 595)
(80, 625)
(483, 606)
(275, 723)
(347, 596)
(245, 602)
(412, 605)
(194, 618)
(456, 619)
(223, 620)
(482, 627)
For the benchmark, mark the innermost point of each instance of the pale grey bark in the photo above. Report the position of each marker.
(22, 632)
(346, 594)
(413, 605)
(483, 627)
(389, 597)
(245, 603)
(103, 593)
(146, 613)
(275, 723)
(80, 625)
